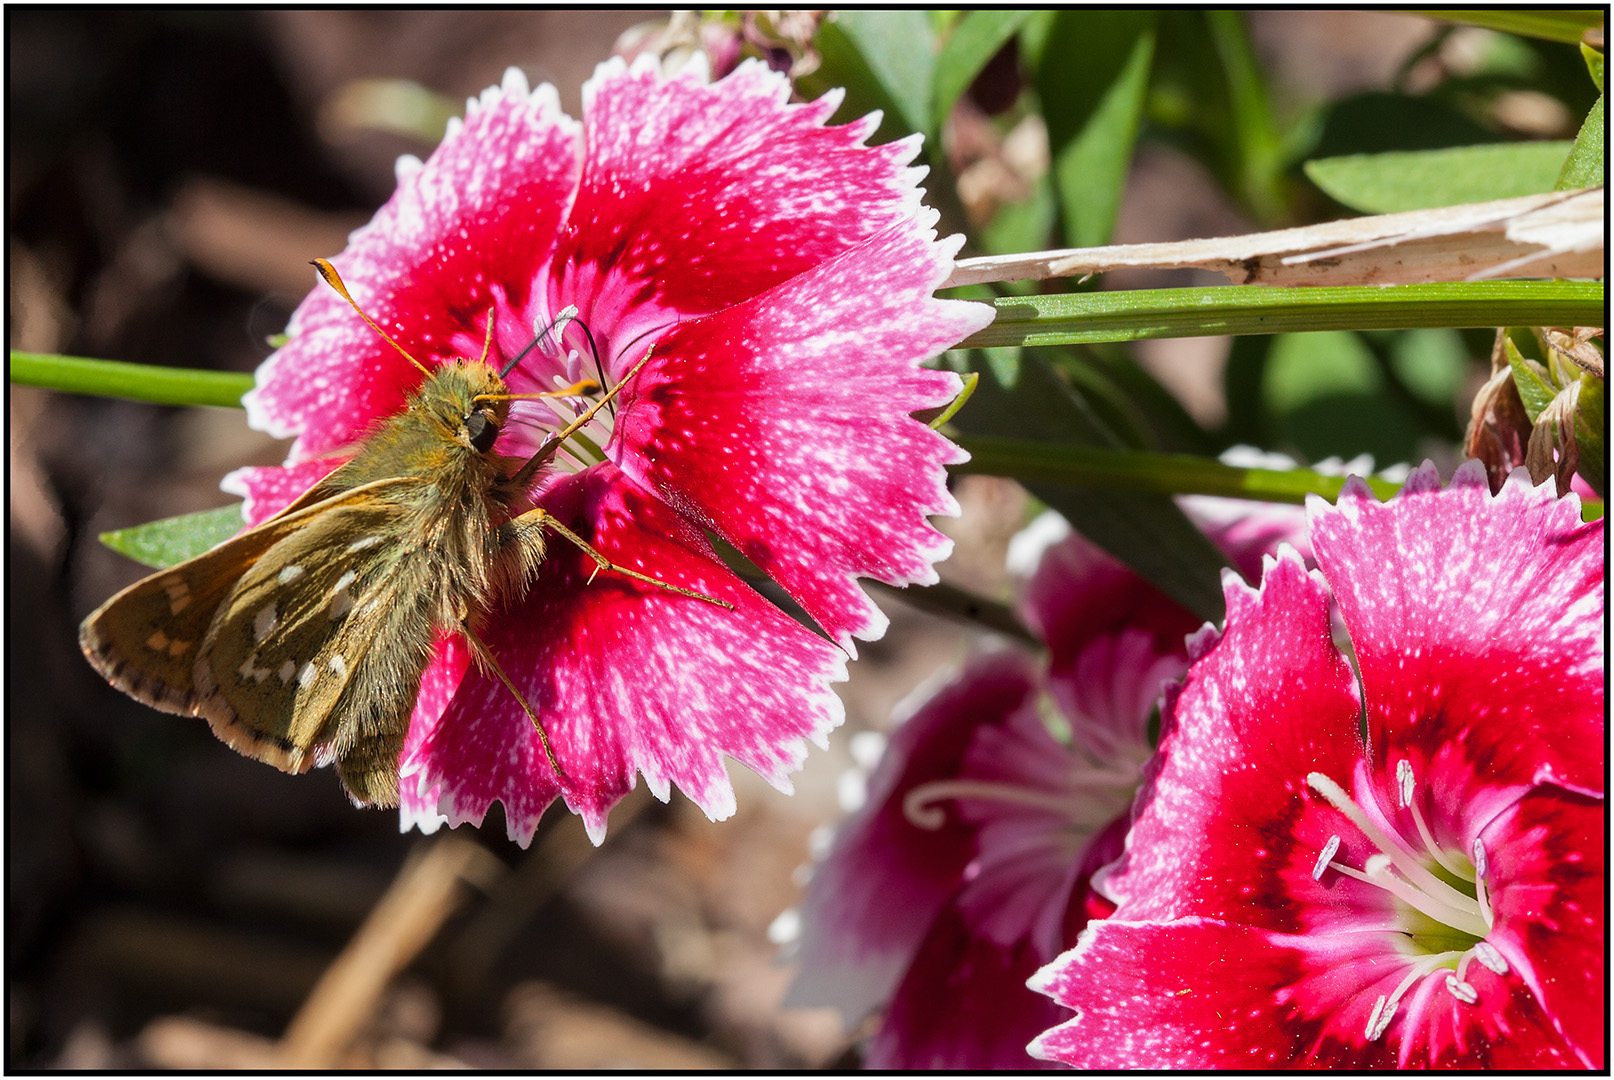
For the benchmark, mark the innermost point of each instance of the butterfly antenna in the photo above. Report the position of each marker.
(334, 280)
(487, 340)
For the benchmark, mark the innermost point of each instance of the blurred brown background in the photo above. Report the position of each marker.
(171, 904)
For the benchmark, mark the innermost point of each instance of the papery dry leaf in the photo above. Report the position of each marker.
(1499, 425)
(1553, 450)
(1559, 234)
(1577, 347)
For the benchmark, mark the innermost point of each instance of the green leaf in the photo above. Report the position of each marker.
(1594, 65)
(1553, 25)
(1208, 96)
(1247, 420)
(1146, 531)
(171, 541)
(1590, 433)
(975, 39)
(899, 49)
(1149, 405)
(1232, 309)
(842, 66)
(1535, 384)
(1585, 165)
(1092, 75)
(1374, 123)
(139, 382)
(1326, 396)
(1422, 179)
(1433, 364)
(1256, 137)
(1034, 37)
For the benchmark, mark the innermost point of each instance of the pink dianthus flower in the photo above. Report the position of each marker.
(971, 863)
(778, 272)
(1296, 895)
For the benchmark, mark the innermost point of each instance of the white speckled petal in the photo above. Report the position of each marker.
(784, 424)
(471, 228)
(1476, 619)
(695, 197)
(267, 490)
(712, 223)
(1230, 948)
(628, 678)
(872, 899)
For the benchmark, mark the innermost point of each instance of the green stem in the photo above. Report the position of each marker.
(1027, 461)
(1071, 318)
(1140, 471)
(1109, 469)
(139, 382)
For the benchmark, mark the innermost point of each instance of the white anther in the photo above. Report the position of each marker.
(1486, 954)
(1378, 1020)
(1403, 780)
(1330, 849)
(1479, 858)
(1460, 990)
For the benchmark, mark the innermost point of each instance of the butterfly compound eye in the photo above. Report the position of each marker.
(482, 431)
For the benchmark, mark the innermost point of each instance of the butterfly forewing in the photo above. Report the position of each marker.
(271, 636)
(145, 640)
(328, 670)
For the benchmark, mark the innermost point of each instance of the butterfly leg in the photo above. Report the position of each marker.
(484, 656)
(541, 518)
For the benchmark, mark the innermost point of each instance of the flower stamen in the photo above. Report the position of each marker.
(1481, 894)
(919, 804)
(1405, 789)
(1487, 955)
(1330, 849)
(1379, 871)
(1416, 885)
(1385, 1008)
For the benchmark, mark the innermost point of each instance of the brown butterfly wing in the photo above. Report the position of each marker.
(316, 654)
(145, 639)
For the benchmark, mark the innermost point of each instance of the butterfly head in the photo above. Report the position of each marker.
(468, 402)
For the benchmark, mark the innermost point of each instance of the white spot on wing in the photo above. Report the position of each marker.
(289, 574)
(264, 623)
(306, 675)
(341, 602)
